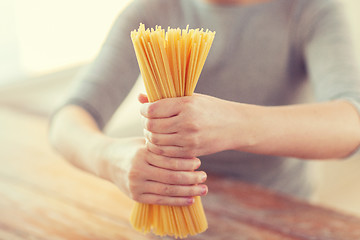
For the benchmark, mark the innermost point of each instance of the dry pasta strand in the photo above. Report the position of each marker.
(170, 64)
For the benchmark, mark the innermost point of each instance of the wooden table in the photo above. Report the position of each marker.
(43, 197)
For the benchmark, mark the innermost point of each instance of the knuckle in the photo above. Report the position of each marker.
(156, 149)
(189, 152)
(154, 138)
(168, 190)
(151, 110)
(193, 141)
(190, 124)
(159, 201)
(175, 164)
(192, 153)
(189, 104)
(162, 151)
(187, 101)
(194, 126)
(191, 191)
(149, 124)
(136, 172)
(133, 175)
(174, 178)
(134, 190)
(136, 197)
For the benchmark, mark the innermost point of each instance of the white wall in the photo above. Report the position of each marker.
(9, 49)
(40, 36)
(353, 10)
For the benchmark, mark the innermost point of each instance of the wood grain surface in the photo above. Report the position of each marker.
(43, 197)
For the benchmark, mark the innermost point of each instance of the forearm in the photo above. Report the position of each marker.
(75, 135)
(313, 131)
(140, 174)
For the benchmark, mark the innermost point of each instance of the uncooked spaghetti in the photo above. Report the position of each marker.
(170, 64)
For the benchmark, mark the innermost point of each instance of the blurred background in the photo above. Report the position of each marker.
(43, 44)
(40, 36)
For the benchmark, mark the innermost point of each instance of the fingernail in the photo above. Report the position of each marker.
(190, 200)
(144, 109)
(203, 177)
(197, 164)
(204, 190)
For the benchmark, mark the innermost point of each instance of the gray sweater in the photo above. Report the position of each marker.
(275, 53)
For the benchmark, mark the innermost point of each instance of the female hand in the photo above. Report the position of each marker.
(150, 178)
(188, 126)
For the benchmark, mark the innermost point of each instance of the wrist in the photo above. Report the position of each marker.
(94, 154)
(246, 127)
(112, 159)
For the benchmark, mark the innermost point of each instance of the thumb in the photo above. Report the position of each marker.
(143, 98)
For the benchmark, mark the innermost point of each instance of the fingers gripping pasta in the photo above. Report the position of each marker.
(170, 64)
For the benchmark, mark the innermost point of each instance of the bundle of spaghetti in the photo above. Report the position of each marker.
(170, 64)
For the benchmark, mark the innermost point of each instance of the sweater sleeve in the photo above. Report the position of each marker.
(102, 86)
(329, 54)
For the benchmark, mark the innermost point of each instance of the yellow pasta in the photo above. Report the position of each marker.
(170, 64)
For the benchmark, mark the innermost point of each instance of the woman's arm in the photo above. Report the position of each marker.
(142, 175)
(200, 125)
(313, 131)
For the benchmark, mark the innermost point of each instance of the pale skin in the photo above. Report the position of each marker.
(199, 125)
(160, 168)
